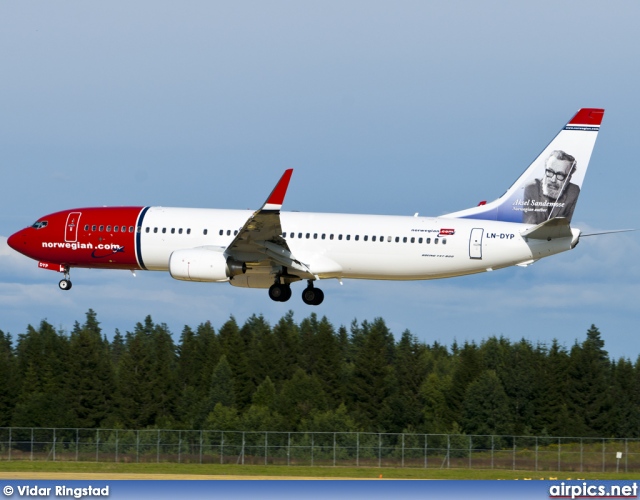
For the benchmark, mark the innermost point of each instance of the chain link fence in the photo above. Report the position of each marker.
(355, 449)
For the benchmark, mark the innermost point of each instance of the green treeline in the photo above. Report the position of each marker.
(310, 376)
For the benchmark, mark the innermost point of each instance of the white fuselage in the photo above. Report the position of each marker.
(355, 246)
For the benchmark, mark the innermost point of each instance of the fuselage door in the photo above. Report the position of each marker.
(71, 227)
(475, 243)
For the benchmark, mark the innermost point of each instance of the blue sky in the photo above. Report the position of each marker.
(380, 107)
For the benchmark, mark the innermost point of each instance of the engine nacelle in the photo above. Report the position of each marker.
(202, 264)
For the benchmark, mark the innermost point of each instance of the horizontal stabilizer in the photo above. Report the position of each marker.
(549, 229)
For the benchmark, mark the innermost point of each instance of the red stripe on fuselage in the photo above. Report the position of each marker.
(97, 243)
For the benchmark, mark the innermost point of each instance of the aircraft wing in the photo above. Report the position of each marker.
(260, 241)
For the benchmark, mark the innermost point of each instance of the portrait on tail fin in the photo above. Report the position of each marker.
(552, 194)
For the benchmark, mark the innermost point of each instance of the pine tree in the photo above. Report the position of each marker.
(373, 381)
(486, 406)
(8, 379)
(91, 378)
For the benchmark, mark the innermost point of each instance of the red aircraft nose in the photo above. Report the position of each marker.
(17, 241)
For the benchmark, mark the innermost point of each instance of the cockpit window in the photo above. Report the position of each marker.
(40, 224)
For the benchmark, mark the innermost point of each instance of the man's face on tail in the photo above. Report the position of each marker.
(557, 175)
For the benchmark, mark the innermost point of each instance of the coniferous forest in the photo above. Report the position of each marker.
(312, 376)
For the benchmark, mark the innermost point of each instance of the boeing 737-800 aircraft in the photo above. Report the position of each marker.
(272, 249)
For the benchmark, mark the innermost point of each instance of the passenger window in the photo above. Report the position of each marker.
(292, 235)
(124, 229)
(189, 230)
(357, 237)
(164, 230)
(331, 236)
(444, 241)
(299, 235)
(221, 232)
(180, 231)
(324, 236)
(315, 236)
(86, 228)
(101, 228)
(413, 240)
(108, 229)
(366, 237)
(116, 229)
(173, 230)
(428, 241)
(203, 232)
(339, 236)
(155, 229)
(373, 238)
(228, 232)
(146, 230)
(419, 240)
(435, 241)
(348, 237)
(308, 234)
(389, 239)
(397, 239)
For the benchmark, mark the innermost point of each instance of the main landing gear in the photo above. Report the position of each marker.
(279, 292)
(312, 296)
(65, 284)
(282, 292)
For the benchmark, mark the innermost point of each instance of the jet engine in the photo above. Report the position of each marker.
(202, 264)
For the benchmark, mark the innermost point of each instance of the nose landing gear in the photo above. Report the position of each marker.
(65, 284)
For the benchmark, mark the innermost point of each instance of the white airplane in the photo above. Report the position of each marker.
(272, 249)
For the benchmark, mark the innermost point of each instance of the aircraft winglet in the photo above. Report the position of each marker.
(276, 198)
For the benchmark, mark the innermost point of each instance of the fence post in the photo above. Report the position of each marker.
(201, 445)
(379, 449)
(266, 446)
(77, 442)
(242, 447)
(116, 445)
(559, 451)
(32, 444)
(493, 444)
(312, 449)
(158, 448)
(426, 451)
(54, 445)
(10, 429)
(470, 448)
(581, 454)
(448, 451)
(403, 449)
(221, 446)
(97, 443)
(513, 462)
(137, 445)
(288, 448)
(626, 452)
(334, 449)
(536, 453)
(179, 447)
(603, 455)
(358, 449)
